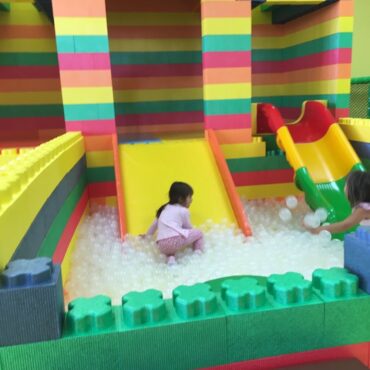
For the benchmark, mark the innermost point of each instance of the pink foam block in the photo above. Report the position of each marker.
(157, 70)
(228, 121)
(77, 61)
(227, 59)
(93, 127)
(336, 56)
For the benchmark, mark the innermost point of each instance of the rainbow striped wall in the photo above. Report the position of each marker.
(226, 47)
(305, 59)
(156, 65)
(259, 169)
(85, 73)
(30, 99)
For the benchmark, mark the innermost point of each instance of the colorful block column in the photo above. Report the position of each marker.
(30, 100)
(226, 47)
(85, 73)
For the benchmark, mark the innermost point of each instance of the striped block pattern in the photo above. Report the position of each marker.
(156, 65)
(259, 169)
(30, 98)
(306, 59)
(226, 48)
(87, 90)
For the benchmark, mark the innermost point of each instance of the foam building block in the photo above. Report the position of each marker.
(279, 317)
(357, 255)
(174, 334)
(146, 331)
(346, 306)
(31, 302)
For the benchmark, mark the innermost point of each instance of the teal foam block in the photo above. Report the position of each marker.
(347, 308)
(221, 43)
(85, 112)
(280, 317)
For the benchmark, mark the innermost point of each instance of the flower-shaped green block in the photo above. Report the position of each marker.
(195, 300)
(335, 282)
(143, 307)
(289, 288)
(244, 293)
(88, 315)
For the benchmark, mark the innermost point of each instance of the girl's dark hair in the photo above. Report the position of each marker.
(358, 187)
(179, 191)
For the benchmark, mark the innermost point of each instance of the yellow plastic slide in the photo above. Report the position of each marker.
(148, 170)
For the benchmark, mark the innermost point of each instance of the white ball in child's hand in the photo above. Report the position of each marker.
(322, 214)
(291, 202)
(311, 220)
(325, 235)
(285, 215)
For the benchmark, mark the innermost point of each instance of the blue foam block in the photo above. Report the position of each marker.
(357, 255)
(31, 302)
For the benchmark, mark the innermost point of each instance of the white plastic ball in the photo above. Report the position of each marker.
(285, 215)
(291, 201)
(322, 214)
(311, 220)
(325, 235)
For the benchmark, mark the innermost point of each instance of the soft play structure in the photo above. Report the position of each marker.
(320, 155)
(105, 103)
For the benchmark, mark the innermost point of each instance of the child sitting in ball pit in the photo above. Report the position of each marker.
(357, 189)
(172, 223)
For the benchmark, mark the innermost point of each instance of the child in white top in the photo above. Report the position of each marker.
(358, 193)
(172, 223)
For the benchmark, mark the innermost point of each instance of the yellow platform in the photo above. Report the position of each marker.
(149, 169)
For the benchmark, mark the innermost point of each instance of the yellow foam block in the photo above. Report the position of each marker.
(148, 170)
(158, 95)
(87, 95)
(6, 159)
(27, 45)
(227, 91)
(226, 26)
(9, 151)
(16, 218)
(24, 13)
(330, 158)
(121, 45)
(66, 264)
(153, 19)
(254, 118)
(80, 26)
(320, 87)
(331, 27)
(356, 129)
(31, 98)
(244, 150)
(259, 17)
(268, 191)
(102, 158)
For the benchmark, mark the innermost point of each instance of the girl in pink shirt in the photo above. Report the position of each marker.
(172, 223)
(358, 193)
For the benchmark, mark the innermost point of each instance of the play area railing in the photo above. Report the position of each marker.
(360, 97)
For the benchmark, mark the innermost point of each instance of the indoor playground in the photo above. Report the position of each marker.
(262, 107)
